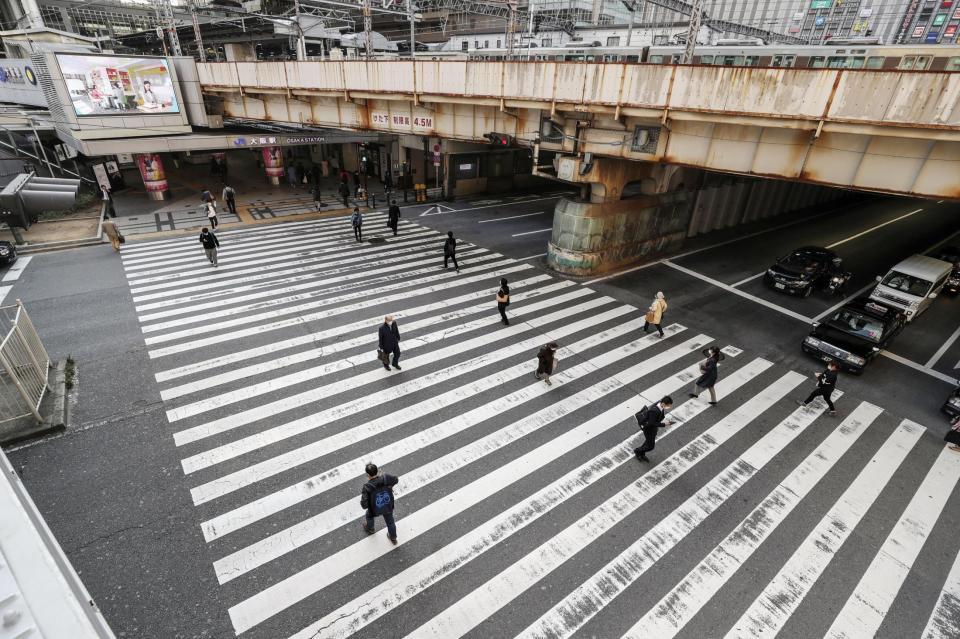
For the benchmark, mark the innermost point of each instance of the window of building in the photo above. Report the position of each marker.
(464, 45)
(613, 41)
(498, 44)
(486, 44)
(875, 62)
(953, 64)
(546, 42)
(476, 44)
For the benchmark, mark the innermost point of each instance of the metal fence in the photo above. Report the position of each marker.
(23, 365)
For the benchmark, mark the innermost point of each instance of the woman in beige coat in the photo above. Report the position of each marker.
(110, 228)
(655, 314)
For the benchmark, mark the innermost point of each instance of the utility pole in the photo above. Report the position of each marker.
(696, 12)
(511, 25)
(165, 11)
(530, 10)
(632, 8)
(413, 28)
(301, 41)
(196, 33)
(368, 26)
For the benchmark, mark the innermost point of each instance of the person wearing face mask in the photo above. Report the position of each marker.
(651, 421)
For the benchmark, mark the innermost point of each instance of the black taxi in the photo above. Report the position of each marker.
(854, 334)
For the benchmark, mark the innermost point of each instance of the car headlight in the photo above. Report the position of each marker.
(4, 251)
(812, 341)
(770, 272)
(854, 359)
(954, 401)
(954, 281)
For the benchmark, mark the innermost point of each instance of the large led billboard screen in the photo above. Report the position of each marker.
(118, 85)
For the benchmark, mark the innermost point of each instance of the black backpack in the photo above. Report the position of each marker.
(381, 500)
(642, 416)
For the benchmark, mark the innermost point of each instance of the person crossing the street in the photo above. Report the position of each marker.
(450, 251)
(376, 498)
(393, 216)
(210, 244)
(708, 375)
(356, 220)
(651, 421)
(230, 197)
(547, 362)
(654, 316)
(826, 384)
(503, 301)
(389, 342)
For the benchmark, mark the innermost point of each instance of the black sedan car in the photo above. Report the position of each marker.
(8, 253)
(950, 254)
(802, 270)
(952, 406)
(854, 334)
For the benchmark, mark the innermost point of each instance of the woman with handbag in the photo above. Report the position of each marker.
(953, 435)
(503, 301)
(655, 315)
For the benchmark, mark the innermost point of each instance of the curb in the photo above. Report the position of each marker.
(59, 416)
(59, 245)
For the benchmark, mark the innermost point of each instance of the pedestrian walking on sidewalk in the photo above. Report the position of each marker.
(357, 221)
(387, 182)
(377, 499)
(108, 198)
(655, 315)
(317, 196)
(708, 374)
(356, 183)
(344, 191)
(113, 234)
(826, 384)
(230, 197)
(651, 421)
(206, 196)
(212, 215)
(547, 362)
(450, 251)
(292, 176)
(210, 244)
(503, 300)
(393, 216)
(389, 336)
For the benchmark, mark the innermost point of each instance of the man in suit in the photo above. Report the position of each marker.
(651, 424)
(393, 216)
(826, 384)
(390, 341)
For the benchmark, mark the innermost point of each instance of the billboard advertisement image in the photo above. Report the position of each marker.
(118, 85)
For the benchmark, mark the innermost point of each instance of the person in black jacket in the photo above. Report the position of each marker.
(503, 301)
(547, 362)
(826, 384)
(210, 244)
(390, 341)
(708, 375)
(376, 497)
(651, 424)
(393, 216)
(450, 251)
(345, 193)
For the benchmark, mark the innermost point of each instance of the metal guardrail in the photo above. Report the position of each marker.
(24, 364)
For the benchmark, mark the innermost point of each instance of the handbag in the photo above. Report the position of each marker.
(649, 317)
(383, 356)
(121, 238)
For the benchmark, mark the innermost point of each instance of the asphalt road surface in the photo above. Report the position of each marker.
(210, 485)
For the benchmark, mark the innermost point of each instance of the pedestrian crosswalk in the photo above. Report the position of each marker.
(522, 510)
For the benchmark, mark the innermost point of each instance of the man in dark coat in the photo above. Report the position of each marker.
(376, 497)
(345, 193)
(652, 422)
(356, 183)
(210, 244)
(393, 216)
(450, 251)
(708, 375)
(826, 384)
(390, 341)
(546, 362)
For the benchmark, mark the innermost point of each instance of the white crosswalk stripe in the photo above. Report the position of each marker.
(275, 401)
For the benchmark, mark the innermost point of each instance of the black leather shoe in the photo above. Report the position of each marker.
(396, 367)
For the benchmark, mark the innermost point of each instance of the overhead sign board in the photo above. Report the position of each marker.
(102, 85)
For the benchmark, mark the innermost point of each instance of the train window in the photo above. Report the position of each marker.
(752, 60)
(836, 62)
(633, 58)
(914, 62)
(817, 62)
(953, 64)
(559, 58)
(546, 42)
(875, 62)
(590, 58)
(784, 60)
(464, 45)
(706, 59)
(855, 62)
(923, 62)
(613, 41)
(656, 59)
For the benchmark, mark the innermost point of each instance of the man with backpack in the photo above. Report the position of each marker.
(210, 244)
(376, 498)
(651, 421)
(357, 221)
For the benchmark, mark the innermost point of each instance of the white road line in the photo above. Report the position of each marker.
(277, 384)
(321, 524)
(477, 208)
(317, 337)
(313, 354)
(532, 232)
(512, 217)
(730, 289)
(944, 623)
(475, 607)
(872, 229)
(394, 591)
(16, 270)
(531, 257)
(4, 291)
(748, 279)
(701, 584)
(392, 278)
(377, 297)
(317, 420)
(842, 302)
(943, 348)
(772, 608)
(326, 283)
(318, 576)
(920, 367)
(870, 601)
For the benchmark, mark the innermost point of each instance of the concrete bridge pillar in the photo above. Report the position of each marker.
(601, 232)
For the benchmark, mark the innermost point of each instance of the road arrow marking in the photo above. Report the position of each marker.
(437, 209)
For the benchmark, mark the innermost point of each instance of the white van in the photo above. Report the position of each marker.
(912, 284)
